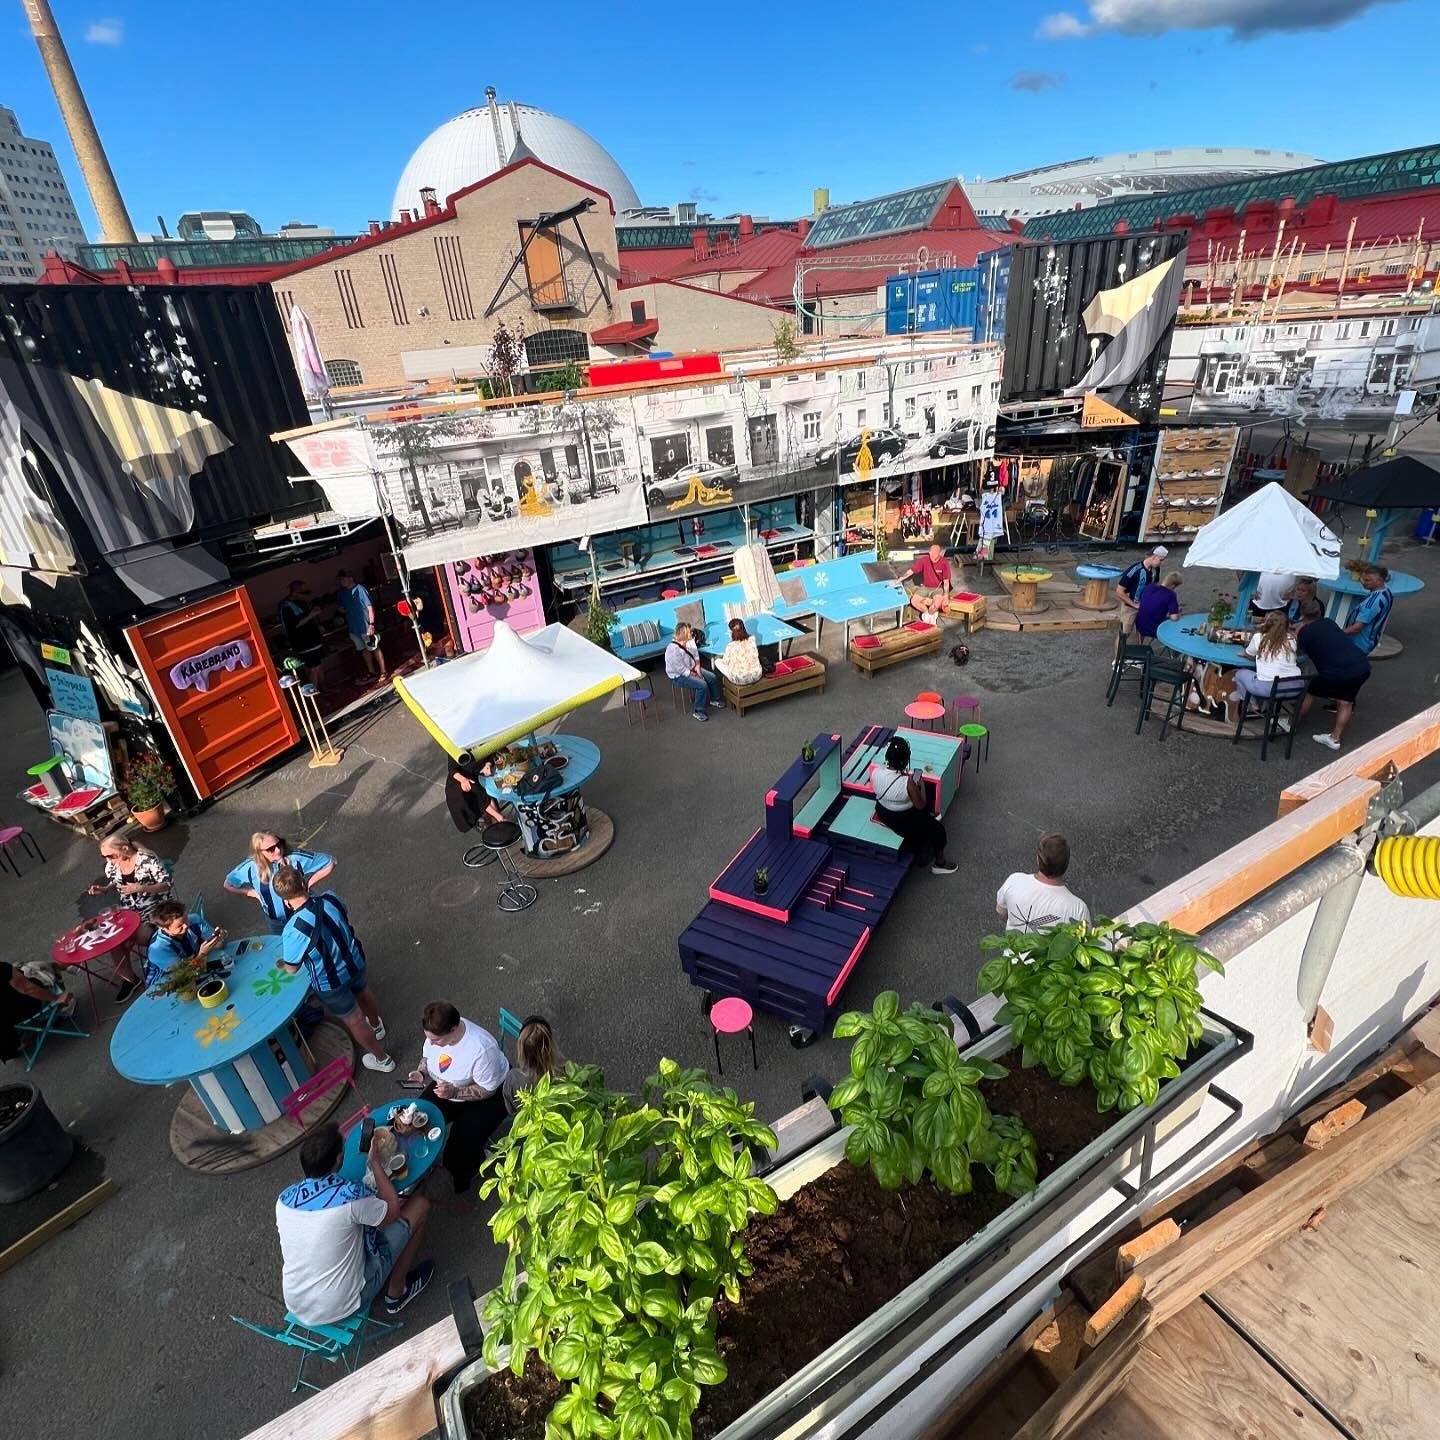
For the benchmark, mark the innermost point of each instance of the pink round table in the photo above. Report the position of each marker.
(730, 1016)
(926, 710)
(118, 946)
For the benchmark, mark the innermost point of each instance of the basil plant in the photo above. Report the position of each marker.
(1115, 1004)
(916, 1108)
(625, 1220)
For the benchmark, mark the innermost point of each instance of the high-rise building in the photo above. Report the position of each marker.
(36, 211)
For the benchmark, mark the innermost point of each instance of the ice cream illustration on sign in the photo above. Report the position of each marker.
(229, 655)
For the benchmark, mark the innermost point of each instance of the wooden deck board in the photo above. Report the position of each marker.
(1376, 1255)
(1196, 1379)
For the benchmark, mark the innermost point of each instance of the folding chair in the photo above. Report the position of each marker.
(197, 905)
(339, 1072)
(1283, 703)
(343, 1341)
(1131, 664)
(52, 1020)
(509, 1030)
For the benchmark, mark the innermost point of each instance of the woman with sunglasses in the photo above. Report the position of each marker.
(255, 877)
(141, 881)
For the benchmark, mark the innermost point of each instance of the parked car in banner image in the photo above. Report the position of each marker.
(955, 441)
(698, 475)
(885, 444)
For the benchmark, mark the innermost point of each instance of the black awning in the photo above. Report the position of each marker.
(1404, 483)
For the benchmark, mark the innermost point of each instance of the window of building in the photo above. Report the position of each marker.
(1315, 332)
(859, 382)
(1342, 331)
(975, 391)
(810, 425)
(909, 367)
(859, 419)
(550, 349)
(344, 372)
(887, 414)
(909, 407)
(1413, 323)
(1364, 329)
(608, 453)
(952, 399)
(764, 384)
(1387, 326)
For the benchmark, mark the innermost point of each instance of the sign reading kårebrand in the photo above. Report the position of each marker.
(196, 671)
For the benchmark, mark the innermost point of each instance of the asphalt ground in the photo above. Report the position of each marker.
(118, 1327)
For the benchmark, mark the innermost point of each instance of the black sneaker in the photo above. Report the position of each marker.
(129, 988)
(943, 867)
(415, 1282)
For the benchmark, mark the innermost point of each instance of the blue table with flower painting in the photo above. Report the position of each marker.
(241, 1058)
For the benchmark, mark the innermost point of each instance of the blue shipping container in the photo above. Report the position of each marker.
(931, 300)
(994, 268)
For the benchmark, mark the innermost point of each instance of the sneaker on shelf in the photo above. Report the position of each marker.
(383, 1063)
(129, 988)
(948, 867)
(1328, 741)
(698, 715)
(415, 1281)
(379, 1028)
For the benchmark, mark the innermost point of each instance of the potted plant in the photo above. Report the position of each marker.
(762, 881)
(598, 619)
(1219, 612)
(149, 782)
(807, 753)
(182, 978)
(34, 1146)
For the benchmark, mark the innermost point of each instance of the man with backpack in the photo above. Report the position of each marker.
(318, 938)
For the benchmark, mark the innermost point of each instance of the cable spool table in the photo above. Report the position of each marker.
(1099, 579)
(1024, 582)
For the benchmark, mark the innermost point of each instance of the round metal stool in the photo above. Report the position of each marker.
(515, 893)
(477, 857)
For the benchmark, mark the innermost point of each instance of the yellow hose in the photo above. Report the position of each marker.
(1410, 865)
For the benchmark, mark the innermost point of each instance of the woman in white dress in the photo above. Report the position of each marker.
(740, 663)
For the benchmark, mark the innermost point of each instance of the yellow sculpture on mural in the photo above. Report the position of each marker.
(700, 493)
(864, 461)
(530, 501)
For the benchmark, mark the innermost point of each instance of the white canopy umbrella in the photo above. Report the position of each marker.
(486, 700)
(1269, 530)
(314, 378)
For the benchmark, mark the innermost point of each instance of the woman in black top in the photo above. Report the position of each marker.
(901, 806)
(465, 796)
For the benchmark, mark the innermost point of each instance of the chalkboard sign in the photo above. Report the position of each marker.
(73, 694)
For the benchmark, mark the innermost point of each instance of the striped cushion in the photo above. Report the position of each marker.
(646, 632)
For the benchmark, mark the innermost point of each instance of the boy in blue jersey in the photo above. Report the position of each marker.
(178, 936)
(359, 611)
(1368, 618)
(319, 939)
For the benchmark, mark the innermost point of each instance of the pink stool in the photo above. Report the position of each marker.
(962, 703)
(729, 1017)
(925, 712)
(670, 594)
(13, 835)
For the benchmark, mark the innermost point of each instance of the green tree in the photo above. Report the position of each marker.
(783, 334)
(418, 444)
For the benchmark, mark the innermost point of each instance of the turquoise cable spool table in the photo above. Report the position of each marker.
(420, 1151)
(582, 760)
(241, 1058)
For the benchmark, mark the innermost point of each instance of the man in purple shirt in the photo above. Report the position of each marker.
(1157, 604)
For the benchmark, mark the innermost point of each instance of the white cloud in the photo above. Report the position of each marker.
(1245, 19)
(1034, 81)
(1063, 26)
(105, 32)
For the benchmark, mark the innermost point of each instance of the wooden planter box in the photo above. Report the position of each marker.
(854, 1378)
(741, 698)
(896, 646)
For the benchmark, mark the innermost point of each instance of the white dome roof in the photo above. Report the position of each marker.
(463, 150)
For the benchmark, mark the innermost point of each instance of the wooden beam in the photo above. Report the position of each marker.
(1114, 1310)
(1213, 890)
(62, 1220)
(388, 1398)
(1405, 745)
(1219, 1246)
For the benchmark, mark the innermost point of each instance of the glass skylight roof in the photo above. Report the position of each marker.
(887, 215)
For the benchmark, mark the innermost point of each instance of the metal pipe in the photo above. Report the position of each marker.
(1327, 929)
(1423, 810)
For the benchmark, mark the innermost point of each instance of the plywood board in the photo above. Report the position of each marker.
(1196, 1379)
(1349, 1307)
(1405, 745)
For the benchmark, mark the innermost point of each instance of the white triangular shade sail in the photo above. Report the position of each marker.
(488, 699)
(1269, 530)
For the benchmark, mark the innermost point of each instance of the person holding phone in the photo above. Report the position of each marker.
(462, 1069)
(141, 881)
(178, 936)
(901, 806)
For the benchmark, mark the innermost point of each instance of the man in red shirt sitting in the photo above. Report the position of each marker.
(932, 594)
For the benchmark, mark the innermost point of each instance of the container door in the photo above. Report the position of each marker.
(210, 673)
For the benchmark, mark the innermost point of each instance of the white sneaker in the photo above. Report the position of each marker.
(1328, 741)
(379, 1028)
(938, 869)
(383, 1063)
(1283, 726)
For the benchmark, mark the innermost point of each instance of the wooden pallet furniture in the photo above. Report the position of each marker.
(970, 607)
(905, 643)
(793, 676)
(833, 872)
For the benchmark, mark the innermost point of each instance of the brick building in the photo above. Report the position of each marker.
(529, 246)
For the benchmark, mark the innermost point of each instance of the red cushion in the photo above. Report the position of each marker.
(800, 662)
(866, 642)
(782, 667)
(966, 595)
(706, 550)
(919, 625)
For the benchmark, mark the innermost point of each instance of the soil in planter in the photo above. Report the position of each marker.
(829, 1257)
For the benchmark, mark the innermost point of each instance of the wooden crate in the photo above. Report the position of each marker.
(972, 609)
(741, 698)
(896, 646)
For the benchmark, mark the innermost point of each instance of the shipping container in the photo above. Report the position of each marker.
(930, 300)
(994, 269)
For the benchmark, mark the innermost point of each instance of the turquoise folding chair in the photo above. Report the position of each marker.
(344, 1341)
(52, 1020)
(197, 905)
(509, 1030)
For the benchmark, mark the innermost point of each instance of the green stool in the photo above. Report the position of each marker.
(972, 735)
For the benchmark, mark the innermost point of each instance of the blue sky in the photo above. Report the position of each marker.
(309, 109)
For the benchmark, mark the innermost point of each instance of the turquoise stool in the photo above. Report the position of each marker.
(510, 1027)
(343, 1341)
(972, 735)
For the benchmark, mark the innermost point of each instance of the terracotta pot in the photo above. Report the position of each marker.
(152, 819)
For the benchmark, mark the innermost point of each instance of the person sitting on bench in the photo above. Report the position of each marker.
(932, 594)
(740, 664)
(900, 806)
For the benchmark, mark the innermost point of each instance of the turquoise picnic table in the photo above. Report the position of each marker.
(420, 1151)
(242, 1058)
(1099, 582)
(1186, 636)
(764, 629)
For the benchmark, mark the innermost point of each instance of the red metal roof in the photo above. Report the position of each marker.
(626, 332)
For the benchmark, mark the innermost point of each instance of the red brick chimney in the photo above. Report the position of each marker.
(406, 216)
(428, 200)
(802, 228)
(169, 275)
(747, 227)
(1122, 227)
(699, 242)
(374, 227)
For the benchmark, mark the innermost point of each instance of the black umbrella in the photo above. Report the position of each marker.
(1404, 483)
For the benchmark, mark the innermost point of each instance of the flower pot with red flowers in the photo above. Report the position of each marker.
(149, 782)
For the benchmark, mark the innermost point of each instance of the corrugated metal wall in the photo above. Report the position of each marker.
(212, 374)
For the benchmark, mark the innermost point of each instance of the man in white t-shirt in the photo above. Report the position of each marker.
(1272, 591)
(1031, 903)
(342, 1243)
(463, 1070)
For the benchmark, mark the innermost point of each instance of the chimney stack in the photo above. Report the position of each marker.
(747, 227)
(802, 228)
(406, 216)
(699, 242)
(428, 200)
(374, 227)
(115, 226)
